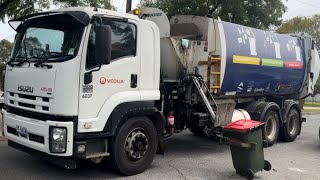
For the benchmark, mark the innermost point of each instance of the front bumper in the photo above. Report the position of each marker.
(64, 162)
(37, 129)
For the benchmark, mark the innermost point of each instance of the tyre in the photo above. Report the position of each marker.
(134, 146)
(271, 127)
(249, 174)
(290, 130)
(267, 166)
(198, 131)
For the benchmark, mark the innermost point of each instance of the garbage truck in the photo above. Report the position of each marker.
(94, 84)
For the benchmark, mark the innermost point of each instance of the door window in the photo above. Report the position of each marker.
(123, 40)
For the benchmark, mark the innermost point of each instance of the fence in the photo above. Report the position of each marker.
(314, 99)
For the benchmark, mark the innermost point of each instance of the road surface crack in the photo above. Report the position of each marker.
(181, 174)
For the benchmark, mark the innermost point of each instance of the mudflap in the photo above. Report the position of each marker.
(161, 146)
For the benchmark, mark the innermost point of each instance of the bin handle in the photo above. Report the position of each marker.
(238, 143)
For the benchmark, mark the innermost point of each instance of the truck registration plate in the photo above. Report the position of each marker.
(21, 131)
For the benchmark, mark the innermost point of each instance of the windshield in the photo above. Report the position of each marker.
(55, 37)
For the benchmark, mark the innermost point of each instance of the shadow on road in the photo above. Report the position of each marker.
(178, 146)
(187, 143)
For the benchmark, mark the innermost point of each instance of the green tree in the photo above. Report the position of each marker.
(310, 25)
(18, 8)
(254, 13)
(5, 50)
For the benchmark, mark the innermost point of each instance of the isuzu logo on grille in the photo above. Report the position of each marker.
(25, 88)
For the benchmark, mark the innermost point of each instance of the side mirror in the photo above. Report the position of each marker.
(103, 44)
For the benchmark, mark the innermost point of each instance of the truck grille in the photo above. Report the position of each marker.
(29, 102)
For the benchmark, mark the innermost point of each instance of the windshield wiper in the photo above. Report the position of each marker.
(26, 60)
(40, 63)
(45, 58)
(12, 60)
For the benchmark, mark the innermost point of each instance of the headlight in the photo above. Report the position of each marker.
(58, 134)
(58, 139)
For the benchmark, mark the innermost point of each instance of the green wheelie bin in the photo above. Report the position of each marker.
(246, 144)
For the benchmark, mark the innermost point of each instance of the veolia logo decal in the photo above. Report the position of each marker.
(104, 80)
(25, 88)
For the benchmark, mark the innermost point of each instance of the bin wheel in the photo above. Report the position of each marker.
(249, 174)
(267, 166)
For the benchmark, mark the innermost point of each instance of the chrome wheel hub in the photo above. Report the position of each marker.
(136, 145)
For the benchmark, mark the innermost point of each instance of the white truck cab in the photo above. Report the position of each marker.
(75, 75)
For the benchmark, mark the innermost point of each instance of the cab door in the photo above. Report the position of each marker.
(113, 81)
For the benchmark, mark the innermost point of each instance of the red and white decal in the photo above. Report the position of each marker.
(104, 80)
(45, 89)
(293, 64)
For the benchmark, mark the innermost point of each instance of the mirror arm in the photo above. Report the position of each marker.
(88, 75)
(95, 70)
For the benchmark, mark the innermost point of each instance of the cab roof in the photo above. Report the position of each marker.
(82, 14)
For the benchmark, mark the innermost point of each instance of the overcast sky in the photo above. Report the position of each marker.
(295, 8)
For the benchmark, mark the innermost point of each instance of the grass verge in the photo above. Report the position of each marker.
(312, 104)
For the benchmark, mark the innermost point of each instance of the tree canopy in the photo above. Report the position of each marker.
(5, 50)
(310, 25)
(18, 8)
(254, 13)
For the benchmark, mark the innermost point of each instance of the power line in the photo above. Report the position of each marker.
(312, 5)
(293, 11)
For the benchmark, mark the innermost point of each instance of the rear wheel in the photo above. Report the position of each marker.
(134, 146)
(271, 127)
(290, 130)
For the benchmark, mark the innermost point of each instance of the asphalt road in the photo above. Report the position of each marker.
(187, 157)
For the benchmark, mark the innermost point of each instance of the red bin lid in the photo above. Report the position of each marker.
(242, 125)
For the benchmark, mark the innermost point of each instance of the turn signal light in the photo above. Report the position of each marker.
(136, 12)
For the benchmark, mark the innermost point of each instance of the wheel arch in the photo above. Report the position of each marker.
(258, 110)
(289, 104)
(128, 110)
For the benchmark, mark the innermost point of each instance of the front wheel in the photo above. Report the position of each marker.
(291, 129)
(271, 127)
(134, 146)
